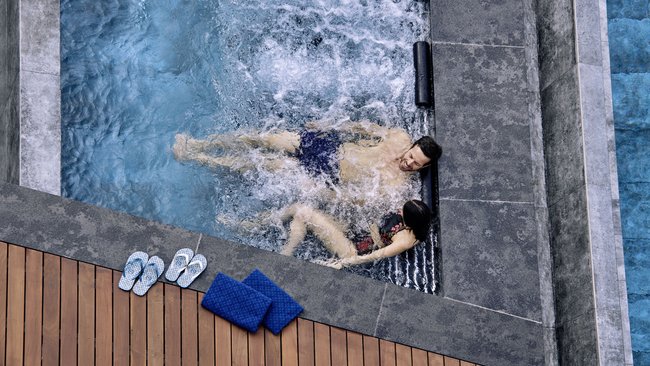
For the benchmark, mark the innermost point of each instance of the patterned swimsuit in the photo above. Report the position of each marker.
(391, 225)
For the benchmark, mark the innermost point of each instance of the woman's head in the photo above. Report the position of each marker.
(417, 216)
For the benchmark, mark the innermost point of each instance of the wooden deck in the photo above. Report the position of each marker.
(57, 311)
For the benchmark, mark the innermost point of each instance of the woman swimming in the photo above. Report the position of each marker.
(397, 233)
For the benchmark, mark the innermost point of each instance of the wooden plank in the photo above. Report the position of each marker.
(339, 341)
(189, 331)
(419, 357)
(436, 359)
(121, 332)
(289, 341)
(15, 304)
(386, 353)
(33, 306)
(403, 355)
(370, 350)
(239, 346)
(206, 334)
(51, 308)
(305, 342)
(465, 363)
(104, 316)
(3, 298)
(172, 324)
(138, 329)
(355, 349)
(272, 349)
(155, 325)
(322, 344)
(69, 311)
(222, 342)
(451, 361)
(256, 348)
(86, 319)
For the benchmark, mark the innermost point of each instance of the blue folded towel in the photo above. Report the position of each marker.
(283, 308)
(236, 302)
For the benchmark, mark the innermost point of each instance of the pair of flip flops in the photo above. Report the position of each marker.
(185, 267)
(141, 272)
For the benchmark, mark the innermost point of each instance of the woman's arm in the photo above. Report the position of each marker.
(400, 243)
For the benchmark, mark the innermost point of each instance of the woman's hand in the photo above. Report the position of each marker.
(332, 263)
(376, 237)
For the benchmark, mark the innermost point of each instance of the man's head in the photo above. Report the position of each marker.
(421, 154)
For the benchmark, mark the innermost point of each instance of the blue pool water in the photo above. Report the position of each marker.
(629, 42)
(137, 72)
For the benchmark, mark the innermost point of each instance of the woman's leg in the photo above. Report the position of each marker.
(322, 225)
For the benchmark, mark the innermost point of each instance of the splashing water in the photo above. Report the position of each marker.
(137, 72)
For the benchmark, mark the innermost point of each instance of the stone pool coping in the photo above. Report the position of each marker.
(103, 237)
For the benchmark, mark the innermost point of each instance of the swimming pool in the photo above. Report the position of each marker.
(136, 73)
(629, 40)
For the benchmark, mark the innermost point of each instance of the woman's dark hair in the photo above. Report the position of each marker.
(417, 216)
(429, 147)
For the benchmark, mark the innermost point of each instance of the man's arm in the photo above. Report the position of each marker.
(365, 128)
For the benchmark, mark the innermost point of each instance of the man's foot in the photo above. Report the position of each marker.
(181, 152)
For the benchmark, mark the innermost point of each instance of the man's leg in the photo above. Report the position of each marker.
(284, 141)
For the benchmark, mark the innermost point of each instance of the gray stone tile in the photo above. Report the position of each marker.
(545, 267)
(571, 257)
(610, 337)
(594, 125)
(40, 126)
(625, 319)
(448, 327)
(5, 158)
(87, 233)
(555, 23)
(10, 131)
(488, 254)
(550, 347)
(13, 37)
(39, 36)
(328, 296)
(563, 148)
(577, 343)
(534, 103)
(601, 225)
(476, 21)
(482, 123)
(588, 31)
(607, 296)
(4, 67)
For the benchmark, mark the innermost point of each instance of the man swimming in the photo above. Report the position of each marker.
(380, 155)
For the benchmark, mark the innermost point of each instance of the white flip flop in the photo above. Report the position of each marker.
(180, 261)
(132, 270)
(193, 270)
(154, 268)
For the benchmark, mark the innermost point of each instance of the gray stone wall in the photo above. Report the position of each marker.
(9, 65)
(591, 309)
(30, 123)
(493, 223)
(40, 96)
